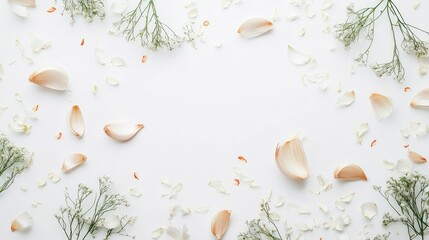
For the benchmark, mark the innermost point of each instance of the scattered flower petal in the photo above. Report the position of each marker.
(218, 186)
(176, 234)
(255, 27)
(2, 71)
(361, 131)
(298, 58)
(112, 81)
(346, 99)
(369, 210)
(117, 62)
(135, 192)
(241, 158)
(18, 9)
(373, 143)
(157, 233)
(112, 222)
(119, 7)
(389, 165)
(404, 166)
(99, 55)
(53, 177)
(19, 125)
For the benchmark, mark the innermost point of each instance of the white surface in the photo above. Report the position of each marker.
(201, 109)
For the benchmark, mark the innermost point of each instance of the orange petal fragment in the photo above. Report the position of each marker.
(52, 9)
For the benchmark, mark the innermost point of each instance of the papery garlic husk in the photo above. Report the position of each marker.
(255, 27)
(421, 100)
(350, 173)
(369, 210)
(346, 99)
(73, 161)
(381, 104)
(290, 158)
(22, 222)
(51, 77)
(122, 131)
(298, 58)
(415, 157)
(220, 223)
(76, 122)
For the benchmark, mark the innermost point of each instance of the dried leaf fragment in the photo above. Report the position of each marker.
(51, 9)
(76, 122)
(255, 27)
(73, 161)
(291, 159)
(51, 77)
(350, 172)
(421, 99)
(381, 104)
(122, 131)
(22, 222)
(220, 223)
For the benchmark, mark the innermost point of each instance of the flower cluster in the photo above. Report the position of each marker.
(264, 227)
(89, 9)
(13, 161)
(82, 217)
(408, 196)
(363, 21)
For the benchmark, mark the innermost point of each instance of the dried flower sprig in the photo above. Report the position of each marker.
(154, 34)
(89, 9)
(264, 227)
(408, 196)
(363, 22)
(83, 217)
(13, 161)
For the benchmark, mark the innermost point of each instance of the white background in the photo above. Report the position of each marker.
(201, 109)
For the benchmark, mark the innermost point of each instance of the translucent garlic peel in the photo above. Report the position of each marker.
(381, 104)
(255, 27)
(51, 77)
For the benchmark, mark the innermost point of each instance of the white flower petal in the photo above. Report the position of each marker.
(19, 125)
(421, 99)
(22, 222)
(339, 224)
(135, 192)
(2, 71)
(255, 27)
(51, 77)
(112, 81)
(193, 13)
(369, 210)
(326, 4)
(117, 62)
(122, 131)
(17, 8)
(347, 198)
(389, 165)
(218, 186)
(174, 191)
(2, 110)
(26, 3)
(38, 44)
(53, 177)
(346, 99)
(404, 166)
(381, 104)
(76, 122)
(119, 7)
(340, 205)
(112, 222)
(202, 210)
(157, 233)
(298, 58)
(291, 159)
(73, 161)
(323, 208)
(99, 56)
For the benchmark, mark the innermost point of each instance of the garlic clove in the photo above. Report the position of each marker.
(76, 122)
(346, 99)
(51, 77)
(220, 223)
(298, 58)
(255, 27)
(122, 131)
(22, 222)
(290, 158)
(381, 104)
(369, 210)
(73, 161)
(350, 173)
(415, 157)
(18, 9)
(421, 100)
(26, 3)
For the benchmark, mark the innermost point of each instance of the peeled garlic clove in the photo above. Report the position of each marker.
(350, 173)
(51, 77)
(290, 158)
(415, 157)
(255, 27)
(122, 131)
(76, 122)
(421, 100)
(22, 222)
(17, 8)
(381, 104)
(220, 223)
(112, 222)
(73, 161)
(296, 57)
(369, 210)
(26, 3)
(346, 99)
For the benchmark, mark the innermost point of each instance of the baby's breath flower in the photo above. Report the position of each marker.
(85, 216)
(13, 161)
(363, 21)
(408, 197)
(87, 8)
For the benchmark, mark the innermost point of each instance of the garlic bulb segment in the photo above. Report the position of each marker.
(381, 104)
(255, 27)
(22, 222)
(76, 122)
(421, 100)
(122, 131)
(350, 173)
(73, 161)
(415, 157)
(290, 158)
(51, 77)
(220, 223)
